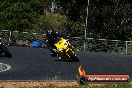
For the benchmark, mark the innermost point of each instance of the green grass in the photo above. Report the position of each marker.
(88, 86)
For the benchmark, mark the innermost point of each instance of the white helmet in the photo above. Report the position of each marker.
(50, 31)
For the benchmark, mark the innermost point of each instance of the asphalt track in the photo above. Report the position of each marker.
(37, 64)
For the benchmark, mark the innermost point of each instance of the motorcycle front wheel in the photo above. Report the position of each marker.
(73, 56)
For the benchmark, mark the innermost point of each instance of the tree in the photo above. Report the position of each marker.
(20, 15)
(72, 8)
(106, 19)
(110, 21)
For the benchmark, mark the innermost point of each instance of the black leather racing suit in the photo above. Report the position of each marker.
(50, 40)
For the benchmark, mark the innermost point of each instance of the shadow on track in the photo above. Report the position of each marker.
(66, 61)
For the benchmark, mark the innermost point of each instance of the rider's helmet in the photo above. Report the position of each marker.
(50, 31)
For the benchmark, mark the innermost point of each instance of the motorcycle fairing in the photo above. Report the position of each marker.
(62, 44)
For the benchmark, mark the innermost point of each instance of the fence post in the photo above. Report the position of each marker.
(126, 47)
(10, 36)
(84, 46)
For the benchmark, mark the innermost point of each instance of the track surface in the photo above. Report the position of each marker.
(37, 64)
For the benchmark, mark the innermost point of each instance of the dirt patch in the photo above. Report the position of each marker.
(37, 83)
(17, 84)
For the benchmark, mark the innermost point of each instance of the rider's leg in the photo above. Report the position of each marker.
(53, 53)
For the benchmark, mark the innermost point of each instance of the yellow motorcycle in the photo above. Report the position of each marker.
(65, 51)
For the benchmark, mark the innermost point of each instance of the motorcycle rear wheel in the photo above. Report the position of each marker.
(6, 51)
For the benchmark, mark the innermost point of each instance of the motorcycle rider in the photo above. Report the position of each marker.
(52, 37)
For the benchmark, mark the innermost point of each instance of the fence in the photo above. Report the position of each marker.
(103, 45)
(88, 44)
(23, 38)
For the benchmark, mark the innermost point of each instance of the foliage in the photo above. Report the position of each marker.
(109, 19)
(75, 29)
(72, 8)
(50, 20)
(19, 15)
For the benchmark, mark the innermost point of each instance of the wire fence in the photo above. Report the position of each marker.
(103, 45)
(88, 44)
